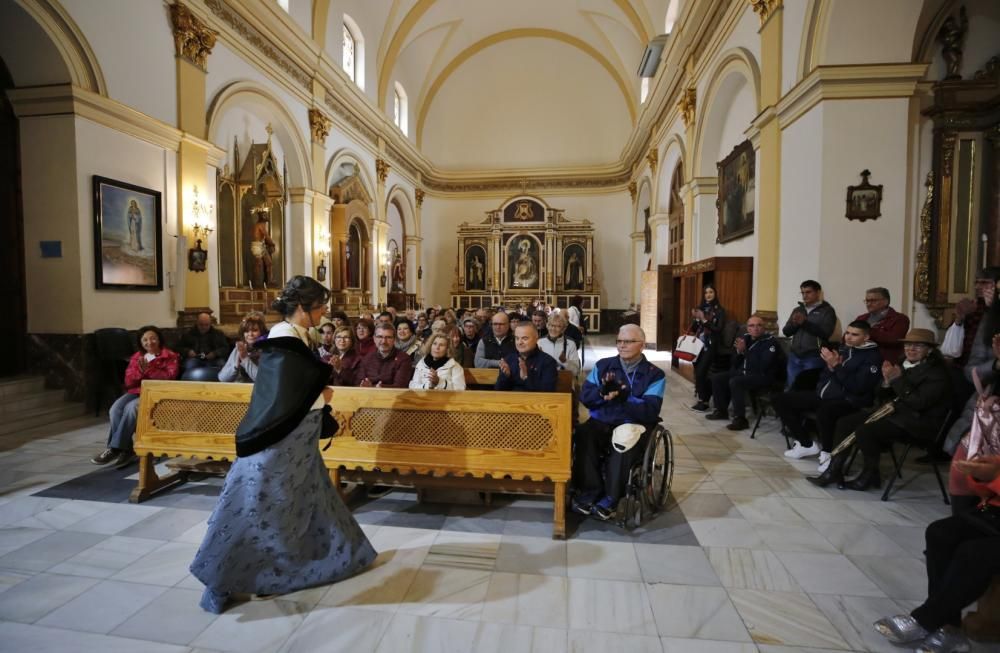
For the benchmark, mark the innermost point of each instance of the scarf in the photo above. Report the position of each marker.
(435, 363)
(403, 345)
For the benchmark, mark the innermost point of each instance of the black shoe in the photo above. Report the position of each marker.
(834, 473)
(105, 456)
(125, 459)
(581, 507)
(738, 424)
(866, 479)
(717, 415)
(604, 511)
(701, 406)
(934, 457)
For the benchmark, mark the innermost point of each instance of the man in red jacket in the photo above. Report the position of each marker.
(887, 326)
(386, 367)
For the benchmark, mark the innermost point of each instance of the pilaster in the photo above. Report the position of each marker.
(768, 227)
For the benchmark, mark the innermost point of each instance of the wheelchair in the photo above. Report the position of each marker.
(648, 484)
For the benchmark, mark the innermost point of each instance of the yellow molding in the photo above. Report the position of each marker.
(69, 40)
(520, 33)
(633, 16)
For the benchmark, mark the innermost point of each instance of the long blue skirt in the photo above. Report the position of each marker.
(279, 526)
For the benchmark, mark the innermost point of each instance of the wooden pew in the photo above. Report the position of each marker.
(490, 441)
(487, 376)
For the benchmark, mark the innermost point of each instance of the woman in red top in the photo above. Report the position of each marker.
(345, 359)
(364, 330)
(152, 361)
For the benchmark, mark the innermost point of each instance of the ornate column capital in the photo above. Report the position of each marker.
(320, 125)
(193, 39)
(687, 105)
(764, 8)
(632, 189)
(653, 157)
(382, 169)
(418, 195)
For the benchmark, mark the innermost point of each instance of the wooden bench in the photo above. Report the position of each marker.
(487, 376)
(491, 441)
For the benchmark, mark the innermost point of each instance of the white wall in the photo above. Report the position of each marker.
(792, 21)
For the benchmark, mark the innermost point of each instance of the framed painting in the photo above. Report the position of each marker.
(864, 201)
(128, 238)
(737, 184)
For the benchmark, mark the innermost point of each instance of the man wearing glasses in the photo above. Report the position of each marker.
(623, 389)
(496, 345)
(887, 326)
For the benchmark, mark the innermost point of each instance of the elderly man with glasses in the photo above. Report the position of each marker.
(622, 389)
(497, 344)
(887, 326)
(754, 367)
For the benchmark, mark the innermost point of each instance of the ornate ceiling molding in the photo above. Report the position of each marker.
(193, 39)
(320, 125)
(522, 185)
(765, 8)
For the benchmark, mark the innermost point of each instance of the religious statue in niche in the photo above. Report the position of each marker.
(950, 36)
(524, 271)
(263, 248)
(398, 274)
(573, 271)
(647, 233)
(475, 269)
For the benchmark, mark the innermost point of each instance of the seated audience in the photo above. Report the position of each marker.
(449, 317)
(753, 368)
(242, 364)
(496, 344)
(325, 349)
(203, 345)
(920, 390)
(363, 332)
(484, 316)
(344, 359)
(406, 340)
(339, 319)
(624, 389)
(423, 326)
(539, 319)
(385, 317)
(846, 385)
(454, 335)
(963, 557)
(809, 326)
(887, 326)
(528, 369)
(386, 367)
(152, 361)
(469, 342)
(575, 312)
(437, 369)
(558, 346)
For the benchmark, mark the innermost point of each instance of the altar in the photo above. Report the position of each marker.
(526, 250)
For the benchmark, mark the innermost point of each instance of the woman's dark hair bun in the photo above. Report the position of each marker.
(300, 291)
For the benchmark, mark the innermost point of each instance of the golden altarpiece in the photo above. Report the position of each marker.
(523, 251)
(251, 231)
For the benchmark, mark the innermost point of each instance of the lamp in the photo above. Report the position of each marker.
(323, 247)
(202, 214)
(383, 278)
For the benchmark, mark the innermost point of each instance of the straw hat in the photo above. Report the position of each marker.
(921, 337)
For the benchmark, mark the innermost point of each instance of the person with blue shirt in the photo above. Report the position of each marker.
(622, 389)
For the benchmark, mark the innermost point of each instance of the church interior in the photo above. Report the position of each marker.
(166, 159)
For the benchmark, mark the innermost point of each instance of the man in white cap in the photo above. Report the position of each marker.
(620, 390)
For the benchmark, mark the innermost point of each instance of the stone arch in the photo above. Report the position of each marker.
(673, 152)
(347, 155)
(260, 101)
(736, 68)
(643, 199)
(399, 195)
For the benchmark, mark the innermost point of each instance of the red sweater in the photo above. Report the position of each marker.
(887, 332)
(164, 368)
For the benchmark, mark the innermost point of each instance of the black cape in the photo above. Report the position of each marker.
(289, 378)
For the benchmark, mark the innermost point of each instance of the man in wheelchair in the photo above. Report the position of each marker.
(623, 389)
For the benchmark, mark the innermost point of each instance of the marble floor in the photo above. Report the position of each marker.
(750, 557)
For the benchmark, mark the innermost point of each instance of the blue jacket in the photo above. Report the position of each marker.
(641, 404)
(856, 379)
(761, 356)
(542, 373)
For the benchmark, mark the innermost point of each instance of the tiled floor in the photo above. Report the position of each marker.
(750, 557)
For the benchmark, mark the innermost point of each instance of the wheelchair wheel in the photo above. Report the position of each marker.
(657, 470)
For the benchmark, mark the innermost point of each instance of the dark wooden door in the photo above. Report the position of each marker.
(14, 326)
(666, 320)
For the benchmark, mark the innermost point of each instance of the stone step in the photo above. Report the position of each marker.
(22, 420)
(45, 398)
(19, 385)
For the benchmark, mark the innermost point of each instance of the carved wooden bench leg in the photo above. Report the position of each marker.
(984, 623)
(559, 514)
(150, 482)
(335, 479)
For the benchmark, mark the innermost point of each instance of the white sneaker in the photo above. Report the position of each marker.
(824, 461)
(798, 451)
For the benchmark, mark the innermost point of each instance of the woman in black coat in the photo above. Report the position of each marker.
(709, 318)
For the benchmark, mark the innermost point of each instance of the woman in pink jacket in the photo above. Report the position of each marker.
(152, 361)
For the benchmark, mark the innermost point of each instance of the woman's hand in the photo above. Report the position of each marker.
(432, 377)
(891, 372)
(143, 364)
(327, 394)
(241, 348)
(337, 363)
(985, 469)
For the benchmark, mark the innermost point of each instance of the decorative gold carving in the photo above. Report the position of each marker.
(418, 194)
(764, 8)
(687, 105)
(320, 125)
(382, 169)
(193, 40)
(632, 188)
(539, 184)
(922, 280)
(252, 36)
(948, 153)
(653, 158)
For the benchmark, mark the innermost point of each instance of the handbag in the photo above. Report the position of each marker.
(953, 339)
(688, 348)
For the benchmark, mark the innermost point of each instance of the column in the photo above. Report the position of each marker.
(638, 244)
(417, 278)
(193, 41)
(321, 234)
(380, 234)
(659, 225)
(688, 108)
(299, 230)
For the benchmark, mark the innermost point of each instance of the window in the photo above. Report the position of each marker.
(353, 59)
(283, 4)
(643, 89)
(349, 47)
(673, 9)
(400, 108)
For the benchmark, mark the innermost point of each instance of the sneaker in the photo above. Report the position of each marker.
(717, 415)
(701, 407)
(824, 461)
(604, 509)
(125, 459)
(798, 451)
(945, 640)
(579, 505)
(105, 456)
(901, 629)
(738, 424)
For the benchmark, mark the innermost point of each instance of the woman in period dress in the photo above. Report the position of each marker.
(280, 525)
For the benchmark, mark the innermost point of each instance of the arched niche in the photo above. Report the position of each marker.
(733, 97)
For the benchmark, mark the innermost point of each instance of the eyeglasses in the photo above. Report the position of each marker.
(874, 300)
(627, 342)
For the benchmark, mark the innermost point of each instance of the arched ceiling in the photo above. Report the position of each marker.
(457, 57)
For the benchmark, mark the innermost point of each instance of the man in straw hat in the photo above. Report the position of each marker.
(920, 389)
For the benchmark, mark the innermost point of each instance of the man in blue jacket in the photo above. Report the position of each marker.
(754, 367)
(846, 385)
(529, 369)
(623, 389)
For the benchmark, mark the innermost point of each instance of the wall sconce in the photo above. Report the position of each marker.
(323, 248)
(202, 214)
(383, 278)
